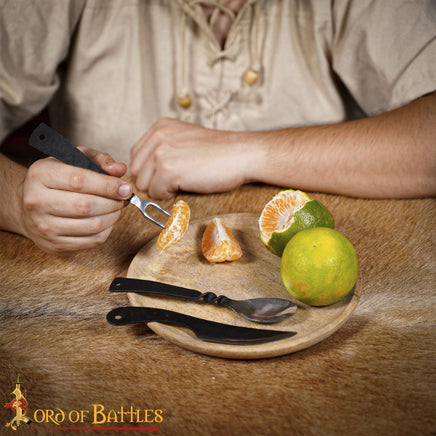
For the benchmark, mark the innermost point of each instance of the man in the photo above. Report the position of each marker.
(333, 96)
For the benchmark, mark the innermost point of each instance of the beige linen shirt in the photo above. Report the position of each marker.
(109, 68)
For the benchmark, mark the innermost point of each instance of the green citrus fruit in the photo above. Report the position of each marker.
(288, 213)
(319, 266)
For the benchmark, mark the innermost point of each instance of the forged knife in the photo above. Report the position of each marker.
(205, 330)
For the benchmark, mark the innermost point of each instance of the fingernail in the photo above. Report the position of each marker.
(124, 190)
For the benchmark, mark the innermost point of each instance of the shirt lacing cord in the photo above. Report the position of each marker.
(250, 76)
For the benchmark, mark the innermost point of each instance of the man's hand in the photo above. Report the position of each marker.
(65, 209)
(174, 155)
(385, 156)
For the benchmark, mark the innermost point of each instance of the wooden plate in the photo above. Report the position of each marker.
(255, 274)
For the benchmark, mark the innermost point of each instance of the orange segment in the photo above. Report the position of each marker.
(176, 226)
(219, 244)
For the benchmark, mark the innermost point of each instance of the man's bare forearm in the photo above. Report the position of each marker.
(11, 180)
(392, 155)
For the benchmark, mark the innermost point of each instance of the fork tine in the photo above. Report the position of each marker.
(150, 203)
(156, 206)
(142, 206)
(154, 220)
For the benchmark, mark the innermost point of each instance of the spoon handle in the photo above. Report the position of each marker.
(210, 297)
(125, 284)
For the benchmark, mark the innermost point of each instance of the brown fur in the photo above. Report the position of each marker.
(375, 376)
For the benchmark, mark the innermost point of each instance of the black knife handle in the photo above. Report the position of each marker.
(125, 284)
(52, 143)
(131, 315)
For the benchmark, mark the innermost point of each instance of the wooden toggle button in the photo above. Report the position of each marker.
(184, 101)
(251, 76)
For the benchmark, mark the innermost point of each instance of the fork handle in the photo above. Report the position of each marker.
(53, 144)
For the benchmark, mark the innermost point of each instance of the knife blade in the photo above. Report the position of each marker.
(205, 330)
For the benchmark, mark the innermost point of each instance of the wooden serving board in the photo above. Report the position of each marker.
(255, 274)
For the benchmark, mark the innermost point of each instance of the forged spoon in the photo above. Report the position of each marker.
(262, 310)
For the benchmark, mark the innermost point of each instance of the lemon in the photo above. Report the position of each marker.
(319, 266)
(288, 213)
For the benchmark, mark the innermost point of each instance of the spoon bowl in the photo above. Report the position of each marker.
(262, 310)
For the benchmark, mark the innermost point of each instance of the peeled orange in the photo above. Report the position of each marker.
(219, 244)
(176, 226)
(288, 213)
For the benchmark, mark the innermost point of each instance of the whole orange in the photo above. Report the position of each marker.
(319, 266)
